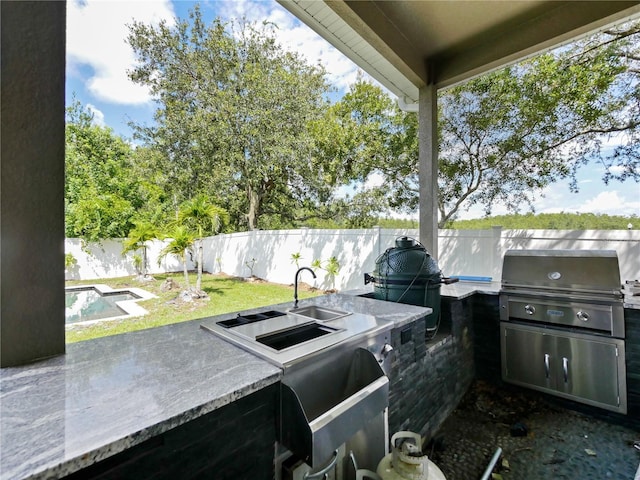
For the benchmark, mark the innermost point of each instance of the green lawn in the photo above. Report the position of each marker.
(226, 294)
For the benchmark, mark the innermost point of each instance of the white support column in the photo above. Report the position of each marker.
(428, 173)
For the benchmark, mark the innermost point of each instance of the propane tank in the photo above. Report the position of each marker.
(406, 460)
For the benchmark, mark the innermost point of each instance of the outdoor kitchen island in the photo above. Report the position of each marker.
(168, 402)
(178, 401)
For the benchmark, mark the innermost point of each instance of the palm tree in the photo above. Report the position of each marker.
(139, 235)
(181, 240)
(201, 216)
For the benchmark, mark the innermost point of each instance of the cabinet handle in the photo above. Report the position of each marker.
(546, 365)
(565, 369)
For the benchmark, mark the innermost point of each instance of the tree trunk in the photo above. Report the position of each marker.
(199, 277)
(186, 271)
(144, 261)
(254, 208)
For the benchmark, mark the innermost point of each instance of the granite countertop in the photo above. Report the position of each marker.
(463, 289)
(455, 291)
(631, 292)
(632, 302)
(103, 396)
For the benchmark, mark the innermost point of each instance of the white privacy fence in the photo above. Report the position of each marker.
(105, 260)
(476, 253)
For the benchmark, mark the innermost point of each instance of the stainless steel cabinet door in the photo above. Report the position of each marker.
(527, 357)
(588, 369)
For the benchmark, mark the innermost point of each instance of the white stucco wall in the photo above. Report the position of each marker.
(476, 253)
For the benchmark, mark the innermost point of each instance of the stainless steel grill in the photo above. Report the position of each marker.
(562, 324)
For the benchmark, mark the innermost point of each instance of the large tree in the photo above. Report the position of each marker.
(367, 143)
(503, 136)
(232, 116)
(101, 195)
(507, 135)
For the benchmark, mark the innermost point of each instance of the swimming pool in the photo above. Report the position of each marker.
(92, 303)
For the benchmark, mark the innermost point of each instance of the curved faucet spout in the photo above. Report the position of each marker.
(295, 284)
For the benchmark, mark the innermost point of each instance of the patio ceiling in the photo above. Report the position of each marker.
(406, 45)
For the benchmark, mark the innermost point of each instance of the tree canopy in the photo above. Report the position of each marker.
(101, 195)
(550, 221)
(506, 135)
(233, 110)
(248, 126)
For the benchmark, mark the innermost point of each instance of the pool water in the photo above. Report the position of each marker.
(84, 305)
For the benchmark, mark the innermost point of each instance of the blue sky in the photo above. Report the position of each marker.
(98, 59)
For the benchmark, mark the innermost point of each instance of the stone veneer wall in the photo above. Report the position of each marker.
(632, 347)
(234, 442)
(486, 329)
(427, 381)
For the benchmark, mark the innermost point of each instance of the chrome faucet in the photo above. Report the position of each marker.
(295, 285)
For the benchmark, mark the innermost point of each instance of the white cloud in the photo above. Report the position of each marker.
(374, 180)
(96, 33)
(611, 203)
(98, 116)
(556, 198)
(616, 169)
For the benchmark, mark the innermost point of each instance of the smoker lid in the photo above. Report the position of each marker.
(595, 271)
(410, 260)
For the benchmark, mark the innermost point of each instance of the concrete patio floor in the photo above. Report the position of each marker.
(559, 443)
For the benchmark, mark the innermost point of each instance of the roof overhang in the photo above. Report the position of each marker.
(406, 45)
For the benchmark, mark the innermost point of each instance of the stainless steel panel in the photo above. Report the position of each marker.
(594, 271)
(584, 368)
(368, 445)
(316, 312)
(527, 356)
(327, 401)
(607, 317)
(588, 368)
(351, 329)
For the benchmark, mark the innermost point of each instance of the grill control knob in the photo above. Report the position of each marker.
(584, 316)
(530, 309)
(386, 350)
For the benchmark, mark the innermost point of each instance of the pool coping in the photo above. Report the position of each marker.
(131, 307)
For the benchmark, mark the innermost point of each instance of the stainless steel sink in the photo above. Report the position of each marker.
(286, 336)
(316, 312)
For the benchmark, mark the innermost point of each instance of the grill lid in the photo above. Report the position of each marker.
(577, 271)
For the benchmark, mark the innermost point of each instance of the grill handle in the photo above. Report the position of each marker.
(565, 369)
(368, 278)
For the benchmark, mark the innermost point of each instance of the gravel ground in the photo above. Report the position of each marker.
(559, 444)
